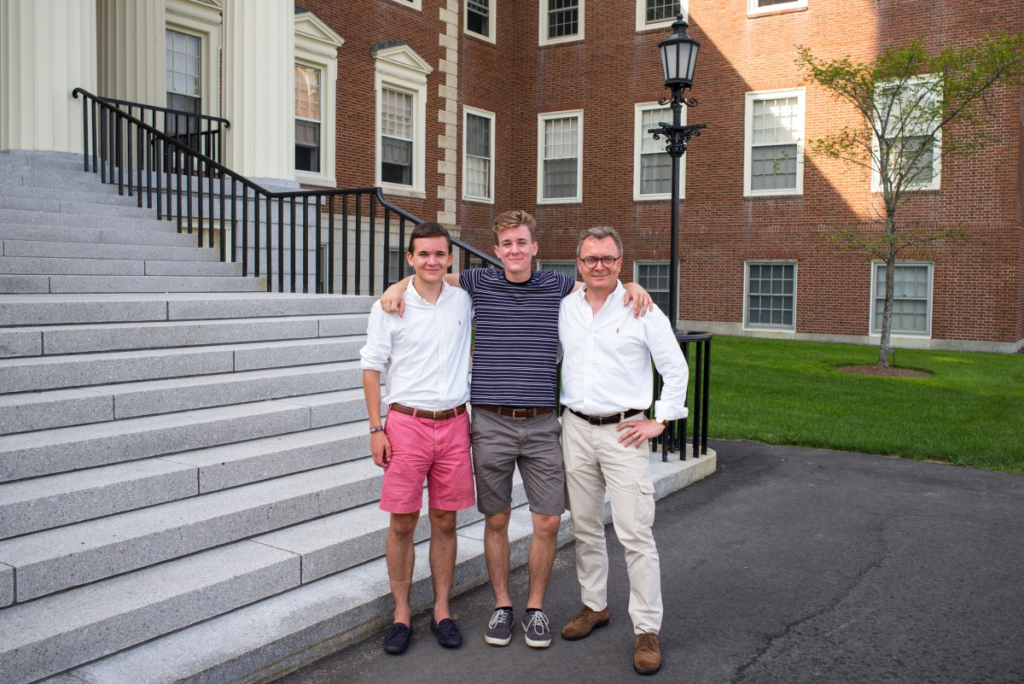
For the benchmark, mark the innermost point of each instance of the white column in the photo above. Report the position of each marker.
(47, 48)
(131, 50)
(259, 87)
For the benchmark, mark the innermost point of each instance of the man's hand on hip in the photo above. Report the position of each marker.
(636, 432)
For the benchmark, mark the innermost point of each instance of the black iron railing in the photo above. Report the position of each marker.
(201, 132)
(673, 439)
(295, 239)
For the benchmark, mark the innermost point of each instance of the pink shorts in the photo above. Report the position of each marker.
(437, 450)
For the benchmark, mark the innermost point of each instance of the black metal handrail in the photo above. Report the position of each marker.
(202, 132)
(212, 201)
(673, 439)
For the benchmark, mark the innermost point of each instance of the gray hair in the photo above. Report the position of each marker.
(599, 233)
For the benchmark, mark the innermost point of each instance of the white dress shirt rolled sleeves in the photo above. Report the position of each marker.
(606, 362)
(428, 349)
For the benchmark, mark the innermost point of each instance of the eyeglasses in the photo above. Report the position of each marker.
(606, 261)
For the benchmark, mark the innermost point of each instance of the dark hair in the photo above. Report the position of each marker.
(429, 230)
(599, 233)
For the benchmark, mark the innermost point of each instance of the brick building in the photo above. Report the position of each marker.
(446, 105)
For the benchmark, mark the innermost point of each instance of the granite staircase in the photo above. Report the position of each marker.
(185, 488)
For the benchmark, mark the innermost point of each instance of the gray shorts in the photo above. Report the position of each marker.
(499, 443)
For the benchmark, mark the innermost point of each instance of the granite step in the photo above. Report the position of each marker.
(35, 284)
(64, 408)
(77, 250)
(45, 503)
(78, 339)
(52, 205)
(61, 450)
(112, 236)
(119, 308)
(115, 267)
(54, 560)
(47, 218)
(101, 194)
(124, 611)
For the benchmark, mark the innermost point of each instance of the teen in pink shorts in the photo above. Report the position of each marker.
(424, 357)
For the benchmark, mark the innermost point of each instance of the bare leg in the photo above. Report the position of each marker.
(401, 557)
(443, 546)
(542, 556)
(496, 552)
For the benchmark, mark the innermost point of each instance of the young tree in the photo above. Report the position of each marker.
(905, 98)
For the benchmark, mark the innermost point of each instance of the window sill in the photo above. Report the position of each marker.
(560, 200)
(776, 195)
(479, 36)
(306, 178)
(560, 41)
(477, 200)
(772, 13)
(656, 198)
(402, 191)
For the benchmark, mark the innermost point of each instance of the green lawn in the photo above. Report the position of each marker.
(970, 412)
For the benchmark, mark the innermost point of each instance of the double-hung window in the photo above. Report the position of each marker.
(774, 143)
(480, 18)
(397, 137)
(478, 155)
(307, 119)
(566, 267)
(762, 6)
(651, 14)
(907, 115)
(401, 82)
(561, 20)
(771, 295)
(912, 298)
(184, 83)
(652, 166)
(560, 157)
(653, 276)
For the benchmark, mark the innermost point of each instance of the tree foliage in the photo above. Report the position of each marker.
(906, 98)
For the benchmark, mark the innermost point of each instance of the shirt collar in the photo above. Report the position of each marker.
(445, 288)
(619, 290)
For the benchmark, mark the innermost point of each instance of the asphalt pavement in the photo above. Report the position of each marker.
(787, 566)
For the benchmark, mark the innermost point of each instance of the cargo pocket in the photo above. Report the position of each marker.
(644, 504)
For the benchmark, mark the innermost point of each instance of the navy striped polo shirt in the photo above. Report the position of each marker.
(515, 354)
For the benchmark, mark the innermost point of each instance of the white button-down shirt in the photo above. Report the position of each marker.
(606, 362)
(424, 355)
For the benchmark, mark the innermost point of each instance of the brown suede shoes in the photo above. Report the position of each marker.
(647, 659)
(583, 624)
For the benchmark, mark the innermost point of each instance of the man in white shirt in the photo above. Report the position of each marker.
(607, 384)
(425, 358)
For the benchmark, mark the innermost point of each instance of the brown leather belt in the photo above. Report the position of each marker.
(430, 415)
(518, 413)
(607, 420)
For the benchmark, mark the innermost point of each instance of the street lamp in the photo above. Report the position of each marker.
(678, 59)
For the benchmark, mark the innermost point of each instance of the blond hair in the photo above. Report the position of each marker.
(514, 219)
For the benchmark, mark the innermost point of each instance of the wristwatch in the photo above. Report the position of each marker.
(662, 421)
(376, 428)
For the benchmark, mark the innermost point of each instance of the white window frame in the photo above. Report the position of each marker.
(747, 325)
(752, 7)
(875, 265)
(413, 4)
(657, 262)
(317, 45)
(204, 22)
(543, 31)
(748, 136)
(936, 181)
(466, 111)
(492, 22)
(541, 119)
(639, 135)
(545, 264)
(641, 16)
(401, 69)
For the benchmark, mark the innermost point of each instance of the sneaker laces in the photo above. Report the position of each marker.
(499, 617)
(538, 622)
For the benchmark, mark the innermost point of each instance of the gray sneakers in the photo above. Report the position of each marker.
(538, 633)
(499, 629)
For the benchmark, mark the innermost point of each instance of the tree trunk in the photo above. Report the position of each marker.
(884, 345)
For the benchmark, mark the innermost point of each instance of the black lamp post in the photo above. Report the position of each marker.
(678, 59)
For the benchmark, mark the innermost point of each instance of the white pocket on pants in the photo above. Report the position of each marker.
(644, 504)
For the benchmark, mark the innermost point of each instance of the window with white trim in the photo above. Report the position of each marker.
(395, 258)
(770, 300)
(478, 155)
(480, 18)
(651, 14)
(653, 276)
(912, 298)
(912, 112)
(774, 131)
(415, 4)
(652, 166)
(561, 21)
(401, 80)
(307, 118)
(566, 267)
(560, 157)
(761, 6)
(184, 82)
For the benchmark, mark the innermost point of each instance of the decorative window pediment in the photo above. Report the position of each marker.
(401, 60)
